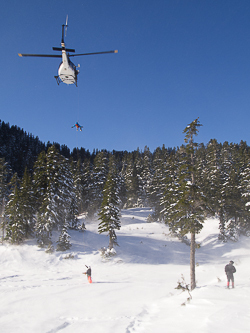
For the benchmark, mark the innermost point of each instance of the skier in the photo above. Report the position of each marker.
(88, 273)
(230, 270)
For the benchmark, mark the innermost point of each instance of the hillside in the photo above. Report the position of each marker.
(133, 291)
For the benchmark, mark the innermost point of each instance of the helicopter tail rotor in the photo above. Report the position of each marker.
(64, 30)
(66, 25)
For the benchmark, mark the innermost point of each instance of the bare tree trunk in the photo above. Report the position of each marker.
(192, 261)
(111, 242)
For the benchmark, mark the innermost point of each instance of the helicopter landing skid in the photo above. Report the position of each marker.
(58, 80)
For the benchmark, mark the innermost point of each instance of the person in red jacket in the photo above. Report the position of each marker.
(230, 270)
(88, 273)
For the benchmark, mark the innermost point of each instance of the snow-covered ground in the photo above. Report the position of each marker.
(132, 292)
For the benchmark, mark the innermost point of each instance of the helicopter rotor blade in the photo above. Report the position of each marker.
(83, 54)
(39, 55)
(66, 25)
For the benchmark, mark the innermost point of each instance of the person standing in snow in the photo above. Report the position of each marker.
(230, 270)
(88, 273)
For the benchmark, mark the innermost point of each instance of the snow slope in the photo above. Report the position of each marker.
(132, 292)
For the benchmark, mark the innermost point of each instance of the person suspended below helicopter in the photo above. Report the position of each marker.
(77, 126)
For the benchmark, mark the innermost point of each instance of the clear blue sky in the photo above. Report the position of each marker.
(178, 60)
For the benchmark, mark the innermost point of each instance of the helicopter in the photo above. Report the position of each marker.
(67, 71)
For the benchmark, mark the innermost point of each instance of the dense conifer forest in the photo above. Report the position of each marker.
(44, 187)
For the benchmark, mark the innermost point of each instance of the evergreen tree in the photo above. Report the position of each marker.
(67, 203)
(63, 243)
(234, 185)
(87, 189)
(209, 176)
(3, 185)
(54, 185)
(132, 183)
(245, 189)
(40, 179)
(53, 199)
(19, 149)
(110, 212)
(158, 182)
(100, 172)
(171, 192)
(72, 212)
(188, 212)
(138, 174)
(77, 171)
(230, 203)
(123, 188)
(146, 175)
(15, 230)
(27, 203)
(192, 201)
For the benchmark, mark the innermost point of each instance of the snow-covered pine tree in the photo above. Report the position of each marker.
(188, 212)
(27, 203)
(100, 171)
(3, 184)
(224, 171)
(63, 243)
(141, 181)
(146, 175)
(72, 213)
(169, 198)
(131, 182)
(192, 201)
(77, 171)
(157, 185)
(49, 215)
(209, 175)
(87, 188)
(142, 174)
(68, 202)
(55, 192)
(236, 212)
(244, 169)
(109, 214)
(44, 224)
(41, 180)
(54, 185)
(200, 166)
(3, 192)
(230, 197)
(15, 229)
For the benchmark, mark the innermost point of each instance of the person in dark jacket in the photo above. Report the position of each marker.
(88, 273)
(230, 270)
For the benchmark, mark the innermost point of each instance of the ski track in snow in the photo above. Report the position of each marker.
(133, 291)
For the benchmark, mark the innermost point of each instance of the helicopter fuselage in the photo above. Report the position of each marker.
(67, 71)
